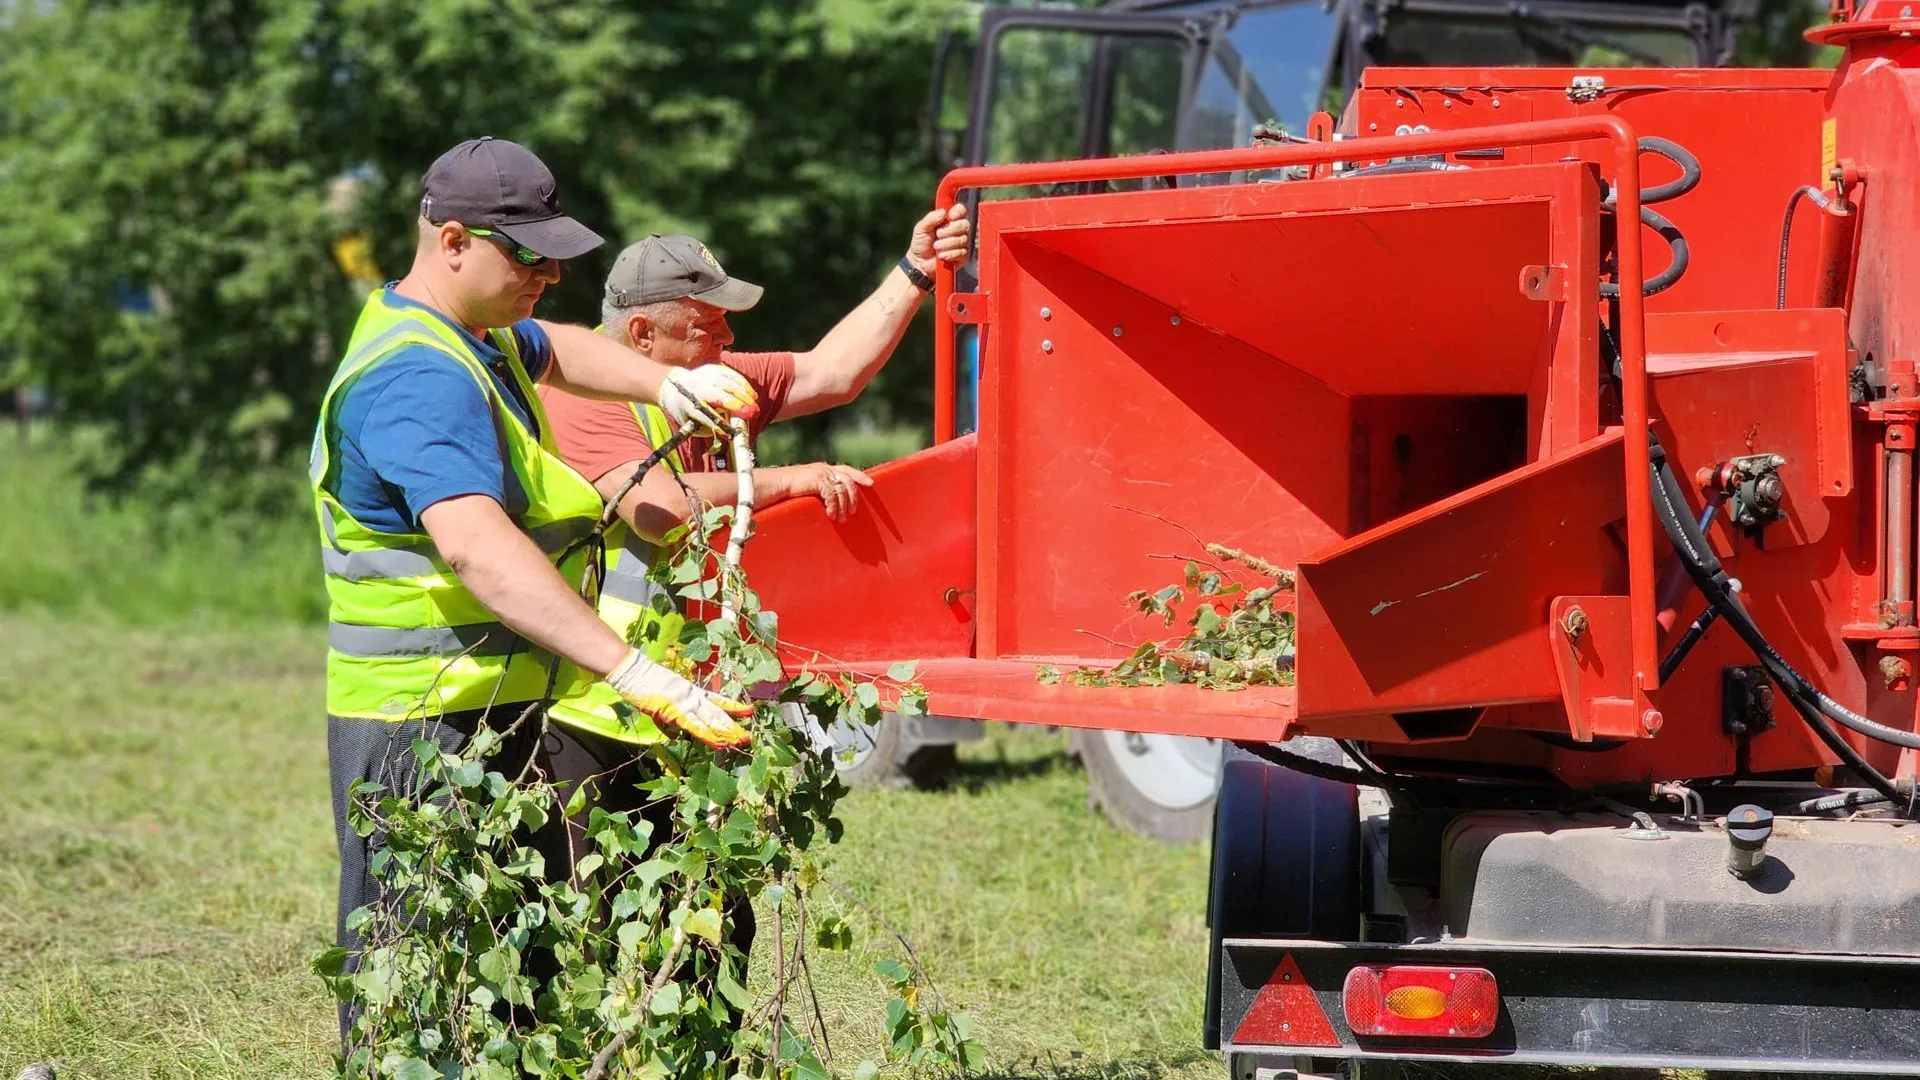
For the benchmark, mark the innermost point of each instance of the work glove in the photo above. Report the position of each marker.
(669, 699)
(707, 395)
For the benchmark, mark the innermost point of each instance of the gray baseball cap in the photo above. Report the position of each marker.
(495, 184)
(672, 268)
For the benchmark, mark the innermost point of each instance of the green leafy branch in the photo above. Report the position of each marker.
(480, 961)
(1236, 637)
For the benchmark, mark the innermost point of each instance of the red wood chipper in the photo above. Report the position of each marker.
(1583, 405)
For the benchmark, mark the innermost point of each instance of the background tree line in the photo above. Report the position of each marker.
(171, 169)
(171, 172)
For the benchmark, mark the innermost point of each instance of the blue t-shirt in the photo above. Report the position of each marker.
(417, 429)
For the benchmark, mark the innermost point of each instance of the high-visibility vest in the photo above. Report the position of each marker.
(638, 608)
(405, 639)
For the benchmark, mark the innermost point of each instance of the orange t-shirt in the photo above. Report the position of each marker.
(596, 437)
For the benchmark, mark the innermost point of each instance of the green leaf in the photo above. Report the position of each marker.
(808, 1067)
(329, 963)
(426, 750)
(903, 671)
(867, 695)
(537, 1054)
(588, 864)
(867, 1070)
(833, 933)
(493, 966)
(526, 862)
(705, 923)
(410, 1069)
(893, 971)
(1206, 621)
(666, 1001)
(731, 989)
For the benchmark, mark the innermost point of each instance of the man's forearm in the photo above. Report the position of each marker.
(594, 366)
(504, 570)
(658, 505)
(855, 350)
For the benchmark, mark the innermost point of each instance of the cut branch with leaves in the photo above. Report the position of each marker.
(1236, 637)
(482, 962)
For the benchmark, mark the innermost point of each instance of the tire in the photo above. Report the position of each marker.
(1160, 786)
(883, 761)
(1286, 861)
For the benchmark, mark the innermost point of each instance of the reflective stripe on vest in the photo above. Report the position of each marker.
(632, 604)
(405, 637)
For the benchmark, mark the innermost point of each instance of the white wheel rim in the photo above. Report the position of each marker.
(849, 744)
(1169, 771)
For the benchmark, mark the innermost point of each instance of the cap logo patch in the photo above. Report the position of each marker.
(711, 261)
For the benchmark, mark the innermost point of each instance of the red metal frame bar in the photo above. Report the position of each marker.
(1632, 328)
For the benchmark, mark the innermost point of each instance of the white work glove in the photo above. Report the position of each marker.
(669, 699)
(707, 395)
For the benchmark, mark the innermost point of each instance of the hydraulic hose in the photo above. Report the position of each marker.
(1804, 191)
(1705, 569)
(1689, 178)
(1679, 256)
(1672, 189)
(1848, 800)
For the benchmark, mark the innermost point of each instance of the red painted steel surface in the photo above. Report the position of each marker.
(895, 579)
(1396, 383)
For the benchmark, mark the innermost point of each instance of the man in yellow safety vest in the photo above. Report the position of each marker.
(450, 528)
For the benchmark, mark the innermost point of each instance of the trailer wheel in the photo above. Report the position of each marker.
(1155, 785)
(1287, 856)
(876, 759)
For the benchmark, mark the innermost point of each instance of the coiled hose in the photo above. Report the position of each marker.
(1679, 255)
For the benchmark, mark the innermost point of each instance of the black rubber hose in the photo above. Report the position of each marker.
(1828, 707)
(1691, 545)
(1804, 191)
(1672, 189)
(1847, 800)
(1695, 631)
(1679, 256)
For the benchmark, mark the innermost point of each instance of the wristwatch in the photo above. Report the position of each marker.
(920, 280)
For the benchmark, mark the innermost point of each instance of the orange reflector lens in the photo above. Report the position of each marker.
(1421, 1002)
(1416, 1002)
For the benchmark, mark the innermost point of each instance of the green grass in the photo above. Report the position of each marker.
(167, 867)
(140, 562)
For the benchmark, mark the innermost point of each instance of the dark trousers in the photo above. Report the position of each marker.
(382, 752)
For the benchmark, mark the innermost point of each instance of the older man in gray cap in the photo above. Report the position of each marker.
(667, 299)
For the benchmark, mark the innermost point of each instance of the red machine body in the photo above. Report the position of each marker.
(1399, 382)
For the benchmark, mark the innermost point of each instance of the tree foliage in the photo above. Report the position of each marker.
(483, 961)
(172, 166)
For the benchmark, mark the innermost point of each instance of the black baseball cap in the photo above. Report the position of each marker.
(672, 268)
(495, 184)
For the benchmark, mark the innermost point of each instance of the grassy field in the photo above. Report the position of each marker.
(166, 869)
(140, 561)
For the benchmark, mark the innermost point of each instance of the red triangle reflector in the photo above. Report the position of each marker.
(1286, 1013)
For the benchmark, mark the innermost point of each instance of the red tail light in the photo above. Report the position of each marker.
(1431, 1002)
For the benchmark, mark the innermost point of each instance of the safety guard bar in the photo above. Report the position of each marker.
(1632, 328)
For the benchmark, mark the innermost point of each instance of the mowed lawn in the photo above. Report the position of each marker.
(167, 869)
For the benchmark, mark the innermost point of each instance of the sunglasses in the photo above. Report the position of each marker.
(522, 254)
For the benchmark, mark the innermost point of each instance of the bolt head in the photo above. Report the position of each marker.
(1173, 320)
(1117, 331)
(1651, 721)
(1046, 313)
(1046, 346)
